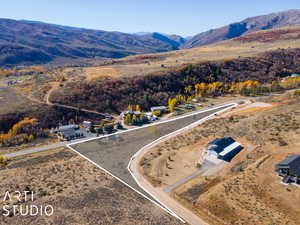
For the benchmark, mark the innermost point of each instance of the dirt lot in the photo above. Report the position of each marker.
(79, 192)
(247, 191)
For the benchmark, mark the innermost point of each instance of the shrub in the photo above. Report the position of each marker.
(3, 160)
(297, 93)
(156, 113)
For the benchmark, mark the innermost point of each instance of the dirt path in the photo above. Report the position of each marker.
(47, 96)
(48, 102)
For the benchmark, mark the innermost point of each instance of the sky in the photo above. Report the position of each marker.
(183, 17)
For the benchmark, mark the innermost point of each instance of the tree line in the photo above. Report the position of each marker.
(22, 132)
(242, 75)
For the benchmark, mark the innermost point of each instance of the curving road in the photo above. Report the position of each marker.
(118, 154)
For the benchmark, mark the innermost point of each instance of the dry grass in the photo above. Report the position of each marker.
(94, 73)
(248, 191)
(79, 192)
(226, 50)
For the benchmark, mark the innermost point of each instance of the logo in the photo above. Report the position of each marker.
(21, 203)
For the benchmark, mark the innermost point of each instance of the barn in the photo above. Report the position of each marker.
(224, 148)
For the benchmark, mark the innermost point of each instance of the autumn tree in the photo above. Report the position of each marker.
(171, 104)
(130, 108)
(127, 119)
(137, 108)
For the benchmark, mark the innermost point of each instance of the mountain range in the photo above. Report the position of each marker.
(33, 42)
(265, 22)
(37, 42)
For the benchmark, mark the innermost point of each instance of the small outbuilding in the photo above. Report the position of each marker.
(159, 108)
(289, 169)
(224, 148)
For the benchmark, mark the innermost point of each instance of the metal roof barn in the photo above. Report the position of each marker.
(226, 148)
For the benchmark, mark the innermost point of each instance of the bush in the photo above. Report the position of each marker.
(108, 128)
(3, 160)
(297, 93)
(156, 113)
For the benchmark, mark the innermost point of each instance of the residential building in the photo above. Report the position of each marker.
(67, 127)
(67, 135)
(224, 148)
(159, 108)
(87, 124)
(289, 169)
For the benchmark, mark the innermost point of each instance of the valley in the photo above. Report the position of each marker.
(123, 128)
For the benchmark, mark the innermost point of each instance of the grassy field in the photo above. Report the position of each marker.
(246, 191)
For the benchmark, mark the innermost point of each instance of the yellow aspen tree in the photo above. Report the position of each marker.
(137, 108)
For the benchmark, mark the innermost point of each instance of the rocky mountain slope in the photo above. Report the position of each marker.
(265, 22)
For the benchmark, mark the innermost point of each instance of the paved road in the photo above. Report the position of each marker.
(122, 148)
(65, 143)
(42, 148)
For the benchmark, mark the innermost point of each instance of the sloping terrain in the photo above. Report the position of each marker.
(265, 22)
(249, 45)
(248, 190)
(31, 42)
(114, 95)
(79, 192)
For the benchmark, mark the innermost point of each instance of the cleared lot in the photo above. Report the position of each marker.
(114, 152)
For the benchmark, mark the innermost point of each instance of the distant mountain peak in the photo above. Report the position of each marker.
(264, 22)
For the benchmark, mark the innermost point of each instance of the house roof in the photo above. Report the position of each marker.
(218, 145)
(127, 112)
(68, 133)
(155, 108)
(293, 163)
(67, 127)
(289, 160)
(230, 148)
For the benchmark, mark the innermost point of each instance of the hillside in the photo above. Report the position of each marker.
(247, 190)
(248, 45)
(265, 22)
(29, 42)
(110, 85)
(115, 94)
